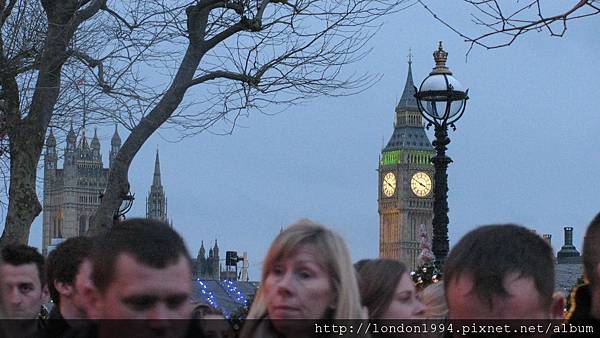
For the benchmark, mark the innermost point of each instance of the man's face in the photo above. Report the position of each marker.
(522, 302)
(22, 292)
(138, 291)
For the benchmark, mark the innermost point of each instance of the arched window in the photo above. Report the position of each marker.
(57, 227)
(82, 224)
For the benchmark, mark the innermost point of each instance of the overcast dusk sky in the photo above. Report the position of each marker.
(525, 150)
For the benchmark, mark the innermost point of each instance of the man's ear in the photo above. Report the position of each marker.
(557, 309)
(63, 288)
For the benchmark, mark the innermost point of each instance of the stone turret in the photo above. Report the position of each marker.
(95, 147)
(83, 150)
(70, 147)
(216, 268)
(216, 248)
(568, 254)
(156, 203)
(547, 238)
(115, 145)
(50, 158)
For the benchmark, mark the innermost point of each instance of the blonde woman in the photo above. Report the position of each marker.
(307, 274)
(434, 299)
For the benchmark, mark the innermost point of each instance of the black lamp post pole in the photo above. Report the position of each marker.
(441, 100)
(440, 221)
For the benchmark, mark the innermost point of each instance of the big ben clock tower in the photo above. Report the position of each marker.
(405, 182)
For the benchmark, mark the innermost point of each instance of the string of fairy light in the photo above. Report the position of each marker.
(231, 289)
(234, 292)
(208, 295)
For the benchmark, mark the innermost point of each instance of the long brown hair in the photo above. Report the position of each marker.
(377, 281)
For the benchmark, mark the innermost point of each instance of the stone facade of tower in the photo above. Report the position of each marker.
(156, 203)
(208, 267)
(72, 194)
(405, 184)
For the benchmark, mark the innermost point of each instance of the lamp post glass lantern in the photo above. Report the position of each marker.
(124, 207)
(441, 99)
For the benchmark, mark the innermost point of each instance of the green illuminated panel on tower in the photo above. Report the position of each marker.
(418, 157)
(391, 157)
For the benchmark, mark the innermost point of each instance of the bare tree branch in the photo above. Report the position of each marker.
(247, 56)
(6, 10)
(223, 75)
(92, 63)
(87, 9)
(505, 23)
(139, 63)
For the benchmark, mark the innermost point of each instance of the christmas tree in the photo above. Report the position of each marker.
(427, 273)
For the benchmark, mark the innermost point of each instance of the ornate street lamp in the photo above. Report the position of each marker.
(124, 208)
(441, 99)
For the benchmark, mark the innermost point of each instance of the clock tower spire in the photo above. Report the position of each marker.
(405, 181)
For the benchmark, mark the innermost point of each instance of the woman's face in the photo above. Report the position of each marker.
(405, 304)
(299, 287)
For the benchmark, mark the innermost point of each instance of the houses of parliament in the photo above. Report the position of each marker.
(72, 194)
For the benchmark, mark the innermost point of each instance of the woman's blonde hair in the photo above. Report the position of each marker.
(335, 258)
(434, 299)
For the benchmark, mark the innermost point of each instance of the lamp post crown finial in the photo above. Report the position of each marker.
(440, 56)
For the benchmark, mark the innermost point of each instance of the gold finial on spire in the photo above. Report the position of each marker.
(440, 56)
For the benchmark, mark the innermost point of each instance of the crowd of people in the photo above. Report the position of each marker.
(135, 280)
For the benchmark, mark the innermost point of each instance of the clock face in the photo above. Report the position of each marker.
(389, 184)
(420, 184)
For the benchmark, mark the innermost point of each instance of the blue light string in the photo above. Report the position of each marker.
(234, 292)
(208, 295)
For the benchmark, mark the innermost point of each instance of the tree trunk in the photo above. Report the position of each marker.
(26, 137)
(23, 204)
(118, 184)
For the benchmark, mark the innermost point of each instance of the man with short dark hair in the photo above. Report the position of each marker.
(22, 286)
(67, 270)
(501, 272)
(141, 269)
(586, 299)
(22, 281)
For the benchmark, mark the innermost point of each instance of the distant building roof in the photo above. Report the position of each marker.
(566, 275)
(226, 295)
(408, 137)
